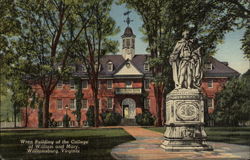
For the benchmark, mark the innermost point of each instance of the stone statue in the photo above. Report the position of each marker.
(186, 63)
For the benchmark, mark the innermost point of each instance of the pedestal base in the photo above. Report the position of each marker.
(185, 120)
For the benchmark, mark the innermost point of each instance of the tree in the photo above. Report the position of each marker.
(79, 96)
(241, 10)
(94, 43)
(9, 27)
(246, 43)
(233, 103)
(44, 46)
(163, 24)
(20, 97)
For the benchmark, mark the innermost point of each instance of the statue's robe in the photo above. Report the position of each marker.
(184, 55)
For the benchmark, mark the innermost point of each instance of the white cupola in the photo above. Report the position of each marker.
(128, 44)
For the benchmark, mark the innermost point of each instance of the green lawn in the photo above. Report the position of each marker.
(234, 135)
(100, 142)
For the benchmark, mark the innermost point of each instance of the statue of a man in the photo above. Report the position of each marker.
(186, 63)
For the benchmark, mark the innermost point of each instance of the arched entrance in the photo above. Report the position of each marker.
(128, 108)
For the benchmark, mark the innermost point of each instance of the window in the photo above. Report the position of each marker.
(100, 104)
(210, 83)
(123, 44)
(59, 124)
(133, 43)
(146, 103)
(210, 102)
(85, 84)
(99, 84)
(59, 85)
(81, 68)
(109, 84)
(128, 43)
(146, 84)
(84, 103)
(146, 66)
(59, 104)
(84, 69)
(110, 103)
(72, 84)
(110, 66)
(72, 104)
(128, 84)
(209, 66)
(72, 123)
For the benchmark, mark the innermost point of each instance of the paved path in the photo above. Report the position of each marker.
(147, 147)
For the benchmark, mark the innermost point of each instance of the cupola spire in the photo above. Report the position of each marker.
(128, 39)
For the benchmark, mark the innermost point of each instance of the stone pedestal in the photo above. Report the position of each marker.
(184, 121)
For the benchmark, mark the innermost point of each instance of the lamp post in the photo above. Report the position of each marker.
(66, 117)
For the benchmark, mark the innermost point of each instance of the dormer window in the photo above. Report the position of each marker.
(96, 65)
(146, 66)
(209, 66)
(110, 66)
(84, 69)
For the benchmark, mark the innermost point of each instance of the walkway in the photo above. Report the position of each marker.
(147, 147)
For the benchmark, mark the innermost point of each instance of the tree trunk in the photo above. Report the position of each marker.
(46, 111)
(96, 109)
(158, 96)
(14, 115)
(26, 117)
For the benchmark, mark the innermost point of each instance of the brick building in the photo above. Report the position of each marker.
(123, 79)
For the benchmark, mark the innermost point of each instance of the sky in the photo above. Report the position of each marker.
(228, 51)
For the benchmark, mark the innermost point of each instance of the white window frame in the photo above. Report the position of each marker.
(59, 85)
(57, 104)
(146, 66)
(212, 102)
(86, 104)
(112, 102)
(212, 83)
(84, 69)
(110, 66)
(99, 84)
(74, 104)
(111, 81)
(72, 122)
(146, 87)
(209, 66)
(72, 84)
(100, 104)
(61, 124)
(87, 83)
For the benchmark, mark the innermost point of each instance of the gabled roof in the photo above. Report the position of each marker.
(220, 69)
(131, 70)
(118, 62)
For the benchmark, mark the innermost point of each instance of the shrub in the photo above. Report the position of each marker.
(91, 116)
(111, 118)
(52, 122)
(145, 118)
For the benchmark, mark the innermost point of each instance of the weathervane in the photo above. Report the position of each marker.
(128, 20)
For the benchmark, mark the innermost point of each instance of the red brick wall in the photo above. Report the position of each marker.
(66, 93)
(210, 92)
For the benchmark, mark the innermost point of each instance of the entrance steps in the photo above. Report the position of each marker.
(128, 122)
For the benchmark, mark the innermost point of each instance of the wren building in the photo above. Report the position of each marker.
(124, 79)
